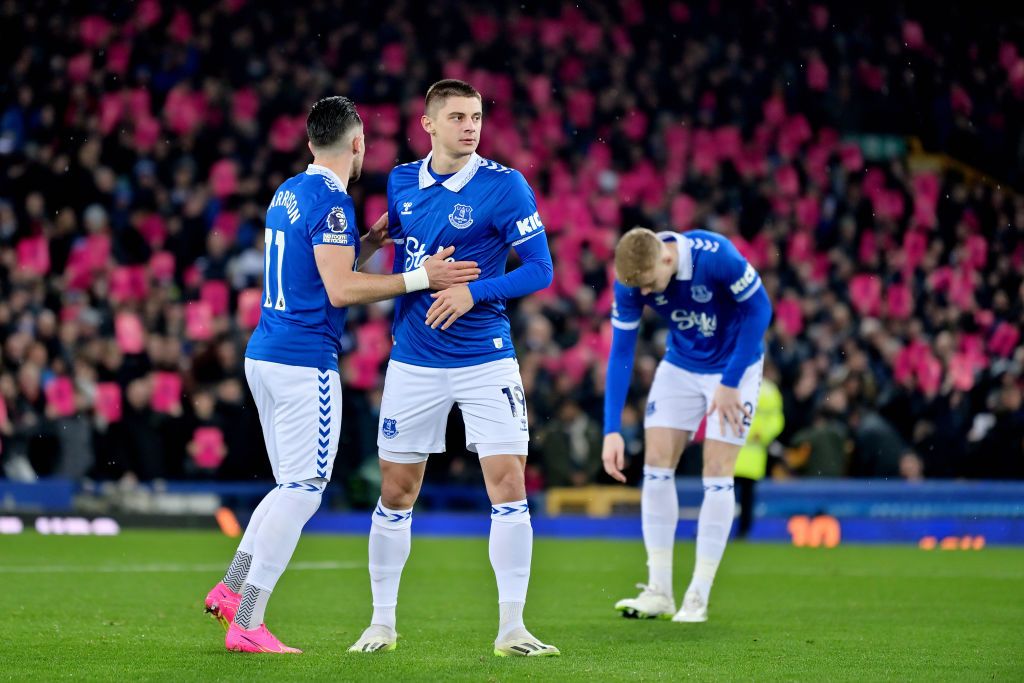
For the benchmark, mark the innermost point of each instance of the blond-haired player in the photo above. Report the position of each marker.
(718, 312)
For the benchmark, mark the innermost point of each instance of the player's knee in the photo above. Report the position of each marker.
(507, 485)
(399, 493)
(718, 464)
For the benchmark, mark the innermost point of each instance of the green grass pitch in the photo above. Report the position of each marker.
(130, 608)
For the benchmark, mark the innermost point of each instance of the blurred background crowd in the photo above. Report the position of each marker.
(140, 143)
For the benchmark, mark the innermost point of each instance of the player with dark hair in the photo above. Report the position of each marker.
(312, 248)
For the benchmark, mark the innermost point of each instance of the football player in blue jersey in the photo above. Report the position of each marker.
(291, 363)
(717, 313)
(455, 347)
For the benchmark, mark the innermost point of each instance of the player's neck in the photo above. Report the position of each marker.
(446, 164)
(341, 166)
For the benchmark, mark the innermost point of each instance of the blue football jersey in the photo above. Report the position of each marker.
(699, 303)
(298, 325)
(483, 210)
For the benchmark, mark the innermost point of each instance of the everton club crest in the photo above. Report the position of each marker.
(701, 294)
(389, 428)
(461, 216)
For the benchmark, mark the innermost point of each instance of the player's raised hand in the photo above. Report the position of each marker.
(613, 455)
(444, 274)
(730, 409)
(377, 236)
(449, 306)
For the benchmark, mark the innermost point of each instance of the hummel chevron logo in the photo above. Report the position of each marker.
(715, 488)
(326, 410)
(503, 510)
(495, 166)
(325, 421)
(704, 245)
(657, 477)
(299, 485)
(393, 516)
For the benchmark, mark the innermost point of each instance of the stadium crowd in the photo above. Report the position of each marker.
(140, 144)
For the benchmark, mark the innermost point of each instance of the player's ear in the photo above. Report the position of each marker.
(358, 143)
(428, 124)
(309, 143)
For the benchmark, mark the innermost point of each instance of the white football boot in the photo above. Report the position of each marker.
(694, 609)
(521, 643)
(650, 604)
(376, 638)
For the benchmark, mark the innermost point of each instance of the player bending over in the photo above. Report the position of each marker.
(718, 313)
(455, 347)
(291, 363)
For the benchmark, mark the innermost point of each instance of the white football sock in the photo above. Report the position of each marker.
(234, 578)
(390, 543)
(713, 525)
(276, 538)
(511, 549)
(659, 513)
(253, 607)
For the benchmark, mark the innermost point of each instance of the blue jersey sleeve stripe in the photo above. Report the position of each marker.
(750, 291)
(625, 324)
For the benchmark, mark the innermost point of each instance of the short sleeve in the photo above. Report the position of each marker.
(627, 307)
(336, 223)
(517, 218)
(734, 273)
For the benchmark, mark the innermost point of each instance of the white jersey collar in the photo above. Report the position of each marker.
(455, 182)
(316, 169)
(684, 270)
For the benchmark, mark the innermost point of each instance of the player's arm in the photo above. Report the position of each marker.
(334, 237)
(518, 220)
(754, 311)
(626, 311)
(375, 238)
(346, 286)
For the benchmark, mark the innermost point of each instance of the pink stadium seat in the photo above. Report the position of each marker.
(198, 320)
(216, 294)
(33, 254)
(60, 396)
(129, 333)
(250, 301)
(207, 447)
(166, 394)
(108, 402)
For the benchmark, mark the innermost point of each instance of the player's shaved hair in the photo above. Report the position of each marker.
(331, 120)
(439, 93)
(636, 255)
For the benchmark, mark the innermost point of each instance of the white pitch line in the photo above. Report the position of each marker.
(166, 568)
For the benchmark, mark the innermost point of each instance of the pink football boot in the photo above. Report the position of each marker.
(258, 640)
(222, 603)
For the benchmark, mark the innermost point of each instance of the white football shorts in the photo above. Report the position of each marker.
(300, 412)
(679, 399)
(416, 402)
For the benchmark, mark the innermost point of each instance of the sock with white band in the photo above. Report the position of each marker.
(511, 550)
(274, 544)
(390, 543)
(713, 526)
(659, 513)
